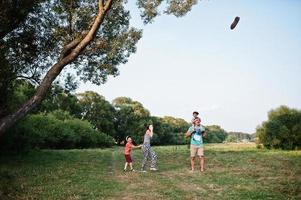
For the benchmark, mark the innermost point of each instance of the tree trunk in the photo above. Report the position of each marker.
(9, 120)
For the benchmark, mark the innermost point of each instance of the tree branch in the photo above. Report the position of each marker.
(92, 32)
(100, 5)
(108, 5)
(9, 120)
(32, 79)
(72, 45)
(66, 50)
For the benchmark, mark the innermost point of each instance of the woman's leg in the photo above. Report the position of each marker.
(154, 158)
(145, 151)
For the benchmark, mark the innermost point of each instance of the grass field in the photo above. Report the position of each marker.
(233, 171)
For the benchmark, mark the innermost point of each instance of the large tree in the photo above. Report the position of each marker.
(98, 111)
(131, 118)
(91, 36)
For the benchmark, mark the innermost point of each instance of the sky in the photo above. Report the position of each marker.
(196, 63)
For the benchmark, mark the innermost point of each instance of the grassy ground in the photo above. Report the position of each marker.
(233, 171)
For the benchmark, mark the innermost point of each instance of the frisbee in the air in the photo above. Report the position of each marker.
(234, 23)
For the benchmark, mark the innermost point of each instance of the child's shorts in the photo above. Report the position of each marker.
(128, 158)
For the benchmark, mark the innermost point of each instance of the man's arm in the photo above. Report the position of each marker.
(189, 132)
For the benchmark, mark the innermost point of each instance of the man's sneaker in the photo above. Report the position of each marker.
(132, 170)
(153, 169)
(142, 170)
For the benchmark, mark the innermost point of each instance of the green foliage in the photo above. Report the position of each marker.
(131, 118)
(35, 44)
(282, 129)
(169, 130)
(99, 112)
(150, 9)
(6, 85)
(215, 134)
(13, 93)
(57, 130)
(180, 8)
(22, 90)
(64, 111)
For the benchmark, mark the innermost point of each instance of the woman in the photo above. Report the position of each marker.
(147, 150)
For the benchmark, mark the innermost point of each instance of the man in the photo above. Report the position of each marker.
(196, 133)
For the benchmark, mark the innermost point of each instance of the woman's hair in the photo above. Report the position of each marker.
(146, 127)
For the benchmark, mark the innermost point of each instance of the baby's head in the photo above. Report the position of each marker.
(195, 114)
(128, 139)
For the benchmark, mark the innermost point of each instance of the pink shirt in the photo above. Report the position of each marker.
(128, 148)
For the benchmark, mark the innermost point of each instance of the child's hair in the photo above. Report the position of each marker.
(127, 137)
(195, 112)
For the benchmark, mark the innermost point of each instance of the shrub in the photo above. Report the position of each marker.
(282, 129)
(54, 131)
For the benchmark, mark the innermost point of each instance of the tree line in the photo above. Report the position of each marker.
(66, 119)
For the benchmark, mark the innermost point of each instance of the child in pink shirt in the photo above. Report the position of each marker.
(127, 153)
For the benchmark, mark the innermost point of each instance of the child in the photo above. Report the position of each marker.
(127, 153)
(195, 117)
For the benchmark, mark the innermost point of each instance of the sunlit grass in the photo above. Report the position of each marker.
(233, 171)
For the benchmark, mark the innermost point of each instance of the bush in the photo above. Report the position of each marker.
(49, 132)
(215, 134)
(282, 130)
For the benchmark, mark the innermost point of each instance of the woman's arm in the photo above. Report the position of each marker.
(150, 131)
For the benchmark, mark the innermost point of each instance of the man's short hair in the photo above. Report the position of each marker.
(195, 112)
